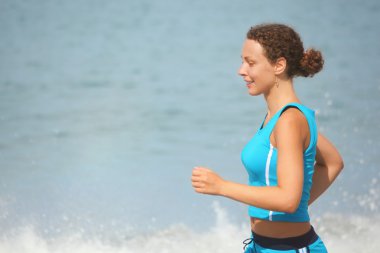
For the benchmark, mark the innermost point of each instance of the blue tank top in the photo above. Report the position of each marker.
(260, 160)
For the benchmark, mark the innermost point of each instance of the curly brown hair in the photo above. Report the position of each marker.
(279, 40)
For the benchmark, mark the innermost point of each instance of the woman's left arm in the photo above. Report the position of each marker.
(328, 165)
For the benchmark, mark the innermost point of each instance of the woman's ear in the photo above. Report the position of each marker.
(280, 66)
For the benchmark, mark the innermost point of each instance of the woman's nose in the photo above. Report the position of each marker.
(241, 71)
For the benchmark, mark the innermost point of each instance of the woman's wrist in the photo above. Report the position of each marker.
(223, 188)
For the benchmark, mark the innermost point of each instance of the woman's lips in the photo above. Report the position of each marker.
(249, 84)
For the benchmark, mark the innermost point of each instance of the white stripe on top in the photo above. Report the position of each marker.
(267, 167)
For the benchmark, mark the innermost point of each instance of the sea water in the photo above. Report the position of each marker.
(106, 106)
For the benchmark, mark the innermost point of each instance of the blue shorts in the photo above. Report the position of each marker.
(307, 243)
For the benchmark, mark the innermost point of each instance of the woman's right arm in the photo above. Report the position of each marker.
(328, 165)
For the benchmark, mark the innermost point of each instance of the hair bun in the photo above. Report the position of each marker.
(311, 63)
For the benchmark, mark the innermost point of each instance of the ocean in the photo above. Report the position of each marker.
(106, 106)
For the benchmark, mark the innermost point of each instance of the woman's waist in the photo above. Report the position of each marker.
(279, 229)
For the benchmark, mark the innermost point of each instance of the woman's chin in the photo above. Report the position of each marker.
(253, 92)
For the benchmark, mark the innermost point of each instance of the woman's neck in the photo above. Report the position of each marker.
(280, 95)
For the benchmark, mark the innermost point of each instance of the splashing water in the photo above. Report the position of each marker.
(340, 234)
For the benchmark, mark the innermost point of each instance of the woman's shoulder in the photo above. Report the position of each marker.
(291, 124)
(292, 117)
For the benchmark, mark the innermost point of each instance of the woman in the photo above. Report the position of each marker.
(289, 164)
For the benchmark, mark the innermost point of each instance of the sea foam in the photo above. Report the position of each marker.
(341, 233)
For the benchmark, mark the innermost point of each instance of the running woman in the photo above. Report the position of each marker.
(289, 163)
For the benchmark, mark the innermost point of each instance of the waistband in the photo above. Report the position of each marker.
(289, 243)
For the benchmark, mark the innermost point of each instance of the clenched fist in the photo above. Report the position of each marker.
(206, 181)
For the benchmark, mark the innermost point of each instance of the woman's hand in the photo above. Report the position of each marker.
(206, 181)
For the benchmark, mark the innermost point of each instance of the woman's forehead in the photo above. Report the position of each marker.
(252, 48)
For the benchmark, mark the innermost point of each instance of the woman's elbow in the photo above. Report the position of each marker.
(290, 206)
(290, 209)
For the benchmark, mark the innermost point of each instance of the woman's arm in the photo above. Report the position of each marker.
(328, 165)
(289, 137)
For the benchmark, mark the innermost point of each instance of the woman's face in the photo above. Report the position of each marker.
(257, 71)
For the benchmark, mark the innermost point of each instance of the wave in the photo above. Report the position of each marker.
(341, 233)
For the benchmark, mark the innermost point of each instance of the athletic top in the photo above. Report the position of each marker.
(260, 160)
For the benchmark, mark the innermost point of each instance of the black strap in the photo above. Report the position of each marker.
(290, 243)
(247, 242)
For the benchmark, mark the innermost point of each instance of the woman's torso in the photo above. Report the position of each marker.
(281, 225)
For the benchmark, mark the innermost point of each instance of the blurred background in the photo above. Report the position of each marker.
(106, 106)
